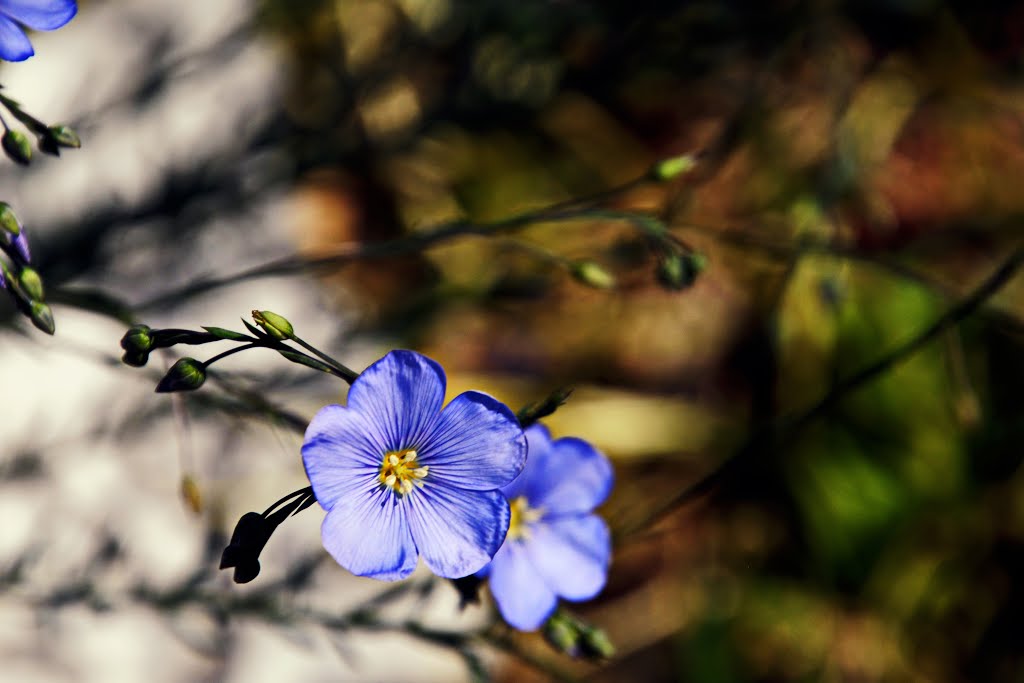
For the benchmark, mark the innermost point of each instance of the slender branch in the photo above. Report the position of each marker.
(418, 241)
(779, 430)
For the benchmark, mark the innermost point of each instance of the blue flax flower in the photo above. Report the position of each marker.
(555, 547)
(41, 15)
(400, 477)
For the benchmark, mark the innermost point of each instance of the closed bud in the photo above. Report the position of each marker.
(187, 374)
(42, 316)
(137, 338)
(31, 283)
(20, 247)
(593, 275)
(17, 147)
(137, 342)
(595, 644)
(191, 494)
(274, 325)
(670, 168)
(8, 221)
(678, 271)
(65, 136)
(562, 633)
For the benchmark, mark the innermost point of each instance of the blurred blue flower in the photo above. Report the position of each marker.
(555, 547)
(400, 477)
(41, 15)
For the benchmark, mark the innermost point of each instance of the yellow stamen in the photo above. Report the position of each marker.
(522, 517)
(401, 472)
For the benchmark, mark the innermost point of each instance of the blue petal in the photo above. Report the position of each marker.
(457, 531)
(42, 15)
(565, 476)
(476, 444)
(339, 453)
(401, 396)
(523, 598)
(14, 44)
(368, 534)
(571, 554)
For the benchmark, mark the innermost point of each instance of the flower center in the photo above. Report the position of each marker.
(400, 471)
(522, 517)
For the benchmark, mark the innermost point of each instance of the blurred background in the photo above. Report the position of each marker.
(858, 176)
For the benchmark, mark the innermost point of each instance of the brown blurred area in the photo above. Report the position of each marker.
(859, 173)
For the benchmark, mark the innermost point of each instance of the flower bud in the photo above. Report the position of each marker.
(670, 168)
(678, 271)
(137, 342)
(16, 146)
(21, 245)
(64, 136)
(31, 283)
(274, 325)
(562, 633)
(576, 638)
(593, 275)
(137, 338)
(42, 316)
(595, 644)
(533, 412)
(247, 541)
(191, 494)
(187, 374)
(8, 221)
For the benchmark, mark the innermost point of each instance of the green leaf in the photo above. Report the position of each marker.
(229, 335)
(303, 359)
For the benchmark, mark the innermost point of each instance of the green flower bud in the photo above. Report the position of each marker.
(678, 271)
(593, 275)
(670, 168)
(137, 338)
(65, 136)
(31, 283)
(562, 633)
(17, 147)
(274, 325)
(187, 374)
(8, 221)
(42, 316)
(595, 644)
(137, 342)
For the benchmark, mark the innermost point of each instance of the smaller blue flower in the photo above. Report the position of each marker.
(402, 478)
(555, 547)
(41, 15)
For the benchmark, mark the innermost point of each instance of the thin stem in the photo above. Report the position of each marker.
(229, 352)
(346, 373)
(294, 494)
(414, 242)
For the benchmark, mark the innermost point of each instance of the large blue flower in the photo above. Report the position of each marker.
(41, 15)
(399, 477)
(555, 547)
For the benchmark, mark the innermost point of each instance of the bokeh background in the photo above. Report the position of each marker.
(858, 175)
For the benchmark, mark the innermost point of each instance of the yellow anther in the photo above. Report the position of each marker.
(401, 472)
(522, 517)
